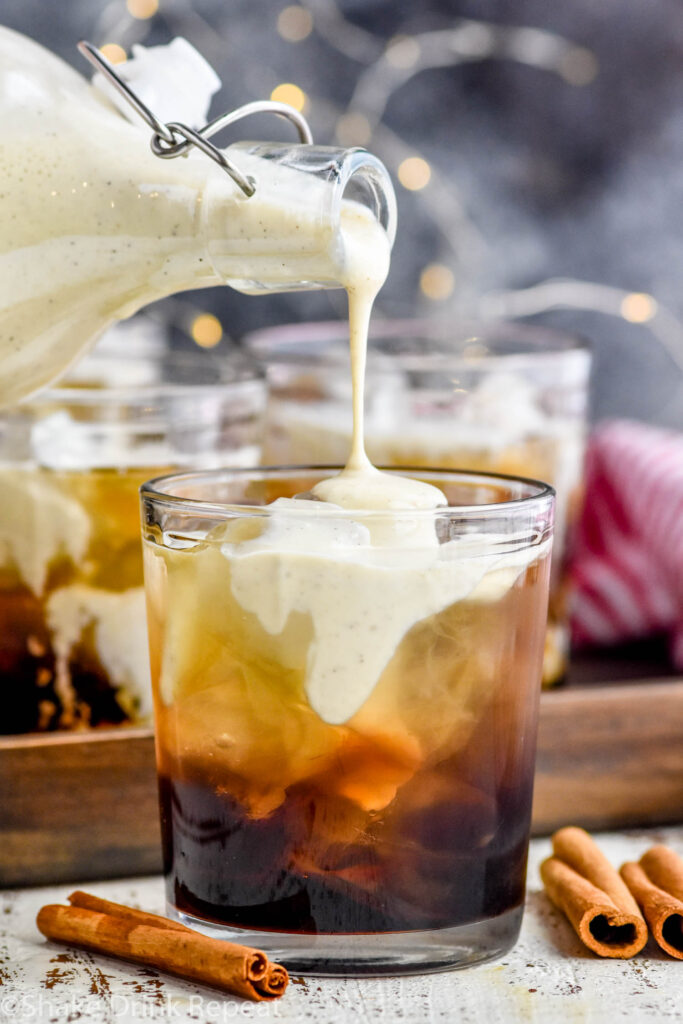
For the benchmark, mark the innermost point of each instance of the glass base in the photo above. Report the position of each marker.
(374, 954)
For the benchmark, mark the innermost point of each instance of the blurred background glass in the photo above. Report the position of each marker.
(73, 635)
(537, 151)
(501, 398)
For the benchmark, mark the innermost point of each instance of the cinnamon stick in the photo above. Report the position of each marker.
(580, 880)
(665, 868)
(657, 884)
(88, 901)
(140, 937)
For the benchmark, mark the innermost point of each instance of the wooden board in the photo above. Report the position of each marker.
(74, 807)
(78, 806)
(610, 756)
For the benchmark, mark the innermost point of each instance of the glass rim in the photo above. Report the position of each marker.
(230, 376)
(536, 341)
(151, 490)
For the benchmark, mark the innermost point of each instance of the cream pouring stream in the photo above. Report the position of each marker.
(361, 485)
(337, 570)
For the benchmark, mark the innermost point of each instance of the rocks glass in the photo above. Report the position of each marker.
(346, 708)
(73, 643)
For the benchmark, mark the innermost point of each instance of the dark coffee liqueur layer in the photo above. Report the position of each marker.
(33, 699)
(443, 853)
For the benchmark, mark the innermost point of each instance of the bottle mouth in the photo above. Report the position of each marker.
(364, 179)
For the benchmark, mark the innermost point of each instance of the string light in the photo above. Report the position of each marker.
(638, 308)
(114, 53)
(414, 173)
(206, 330)
(353, 130)
(437, 282)
(387, 67)
(294, 23)
(562, 293)
(289, 93)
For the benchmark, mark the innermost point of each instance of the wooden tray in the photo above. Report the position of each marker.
(74, 807)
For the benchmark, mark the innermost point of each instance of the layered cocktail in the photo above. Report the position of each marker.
(346, 703)
(73, 639)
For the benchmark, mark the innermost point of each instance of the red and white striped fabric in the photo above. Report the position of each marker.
(628, 552)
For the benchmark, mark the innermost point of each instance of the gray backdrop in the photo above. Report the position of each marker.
(553, 155)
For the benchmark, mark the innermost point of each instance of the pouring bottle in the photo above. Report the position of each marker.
(94, 226)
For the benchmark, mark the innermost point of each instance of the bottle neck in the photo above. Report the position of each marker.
(292, 233)
(285, 237)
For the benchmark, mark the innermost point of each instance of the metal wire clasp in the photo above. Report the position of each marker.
(175, 139)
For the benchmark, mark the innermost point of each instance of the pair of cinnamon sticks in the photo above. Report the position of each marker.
(609, 910)
(104, 927)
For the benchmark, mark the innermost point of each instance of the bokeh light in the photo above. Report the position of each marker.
(353, 130)
(414, 173)
(638, 307)
(206, 330)
(142, 8)
(403, 52)
(294, 23)
(578, 66)
(114, 53)
(437, 281)
(291, 94)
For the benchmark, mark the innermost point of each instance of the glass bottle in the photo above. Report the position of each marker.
(93, 225)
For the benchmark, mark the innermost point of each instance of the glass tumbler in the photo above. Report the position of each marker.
(345, 707)
(73, 639)
(494, 397)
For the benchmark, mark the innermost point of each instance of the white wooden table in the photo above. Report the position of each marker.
(549, 978)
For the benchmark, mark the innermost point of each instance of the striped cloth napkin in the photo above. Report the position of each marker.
(628, 551)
